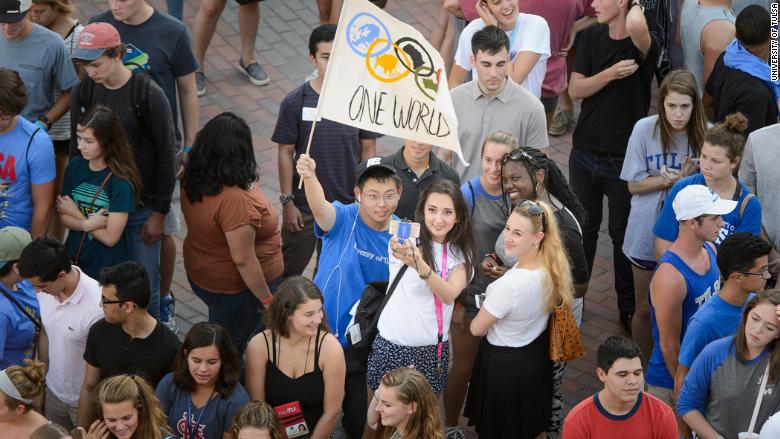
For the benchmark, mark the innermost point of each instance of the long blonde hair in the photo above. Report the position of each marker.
(412, 387)
(151, 418)
(557, 281)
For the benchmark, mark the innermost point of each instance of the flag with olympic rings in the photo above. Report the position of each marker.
(383, 76)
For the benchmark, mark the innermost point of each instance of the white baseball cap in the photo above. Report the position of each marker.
(696, 200)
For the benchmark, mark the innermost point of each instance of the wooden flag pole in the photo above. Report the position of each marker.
(311, 136)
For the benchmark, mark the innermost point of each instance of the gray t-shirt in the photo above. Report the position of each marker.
(693, 19)
(645, 158)
(758, 171)
(488, 217)
(43, 64)
(515, 109)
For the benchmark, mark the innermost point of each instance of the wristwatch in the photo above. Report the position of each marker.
(46, 121)
(285, 198)
(638, 3)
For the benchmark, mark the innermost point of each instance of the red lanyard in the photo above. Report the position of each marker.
(439, 311)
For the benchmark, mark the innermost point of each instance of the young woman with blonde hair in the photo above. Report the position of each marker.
(510, 391)
(19, 386)
(404, 407)
(127, 409)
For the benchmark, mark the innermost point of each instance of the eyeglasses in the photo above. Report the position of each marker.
(763, 273)
(375, 199)
(104, 301)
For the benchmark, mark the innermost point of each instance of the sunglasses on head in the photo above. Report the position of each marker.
(517, 155)
(534, 208)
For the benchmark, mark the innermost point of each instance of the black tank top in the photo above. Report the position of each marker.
(308, 389)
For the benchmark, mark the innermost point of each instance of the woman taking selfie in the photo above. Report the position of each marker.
(510, 391)
(414, 325)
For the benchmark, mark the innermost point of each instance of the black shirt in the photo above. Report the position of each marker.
(114, 352)
(733, 90)
(608, 117)
(154, 151)
(413, 185)
(571, 235)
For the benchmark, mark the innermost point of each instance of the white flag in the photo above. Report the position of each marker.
(383, 76)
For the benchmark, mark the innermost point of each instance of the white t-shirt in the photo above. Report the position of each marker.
(533, 35)
(409, 318)
(516, 300)
(67, 325)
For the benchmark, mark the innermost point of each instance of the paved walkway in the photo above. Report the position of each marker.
(282, 50)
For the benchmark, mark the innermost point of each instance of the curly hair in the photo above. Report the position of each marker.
(554, 181)
(221, 156)
(412, 387)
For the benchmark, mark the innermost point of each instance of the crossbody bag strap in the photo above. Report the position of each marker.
(392, 286)
(760, 397)
(91, 204)
(31, 316)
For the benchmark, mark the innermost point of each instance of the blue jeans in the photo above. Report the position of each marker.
(146, 255)
(176, 9)
(241, 314)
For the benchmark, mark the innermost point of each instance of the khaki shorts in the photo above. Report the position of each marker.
(664, 394)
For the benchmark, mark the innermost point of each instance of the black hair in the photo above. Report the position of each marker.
(490, 39)
(379, 174)
(615, 348)
(6, 269)
(739, 251)
(201, 335)
(554, 181)
(130, 280)
(324, 33)
(753, 25)
(221, 156)
(44, 258)
(460, 237)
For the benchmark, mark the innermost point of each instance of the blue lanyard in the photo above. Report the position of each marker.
(189, 415)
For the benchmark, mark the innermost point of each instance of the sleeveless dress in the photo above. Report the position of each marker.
(308, 389)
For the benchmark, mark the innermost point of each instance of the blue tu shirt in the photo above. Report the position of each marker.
(667, 226)
(714, 320)
(699, 288)
(352, 256)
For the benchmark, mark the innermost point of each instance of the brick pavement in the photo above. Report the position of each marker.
(282, 49)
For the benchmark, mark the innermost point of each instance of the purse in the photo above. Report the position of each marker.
(565, 339)
(75, 258)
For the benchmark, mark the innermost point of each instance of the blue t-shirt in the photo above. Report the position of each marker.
(699, 289)
(667, 226)
(352, 256)
(714, 320)
(161, 47)
(20, 167)
(81, 183)
(16, 329)
(207, 422)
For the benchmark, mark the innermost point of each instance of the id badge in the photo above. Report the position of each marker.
(479, 299)
(292, 420)
(354, 334)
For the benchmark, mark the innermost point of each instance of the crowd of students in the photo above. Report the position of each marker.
(101, 156)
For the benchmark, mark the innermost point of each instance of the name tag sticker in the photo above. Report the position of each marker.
(354, 333)
(308, 113)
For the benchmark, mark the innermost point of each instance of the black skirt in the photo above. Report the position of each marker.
(510, 391)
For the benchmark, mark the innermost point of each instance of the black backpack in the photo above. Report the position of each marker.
(139, 100)
(372, 301)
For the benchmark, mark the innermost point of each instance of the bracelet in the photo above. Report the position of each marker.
(267, 301)
(46, 121)
(491, 254)
(187, 149)
(427, 275)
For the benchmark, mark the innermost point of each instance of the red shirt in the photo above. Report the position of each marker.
(650, 418)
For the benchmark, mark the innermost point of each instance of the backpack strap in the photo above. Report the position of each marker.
(744, 204)
(473, 198)
(139, 92)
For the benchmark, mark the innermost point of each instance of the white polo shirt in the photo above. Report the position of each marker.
(67, 325)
